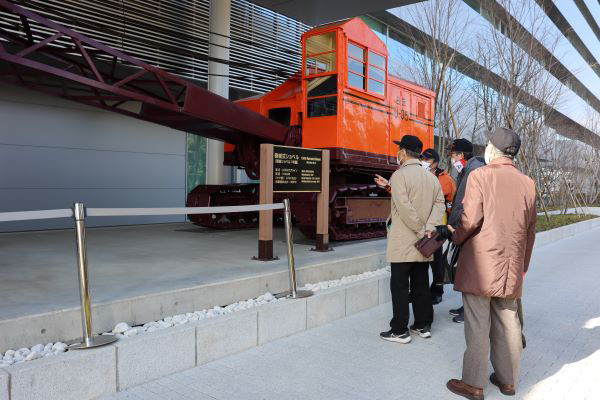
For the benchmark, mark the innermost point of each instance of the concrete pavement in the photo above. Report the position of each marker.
(346, 359)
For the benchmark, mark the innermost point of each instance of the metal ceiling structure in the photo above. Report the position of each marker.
(316, 12)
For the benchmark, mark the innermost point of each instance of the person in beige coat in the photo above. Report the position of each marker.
(417, 207)
(497, 232)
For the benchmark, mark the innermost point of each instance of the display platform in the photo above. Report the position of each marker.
(147, 272)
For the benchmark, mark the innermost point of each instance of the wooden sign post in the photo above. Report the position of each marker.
(265, 218)
(323, 207)
(285, 169)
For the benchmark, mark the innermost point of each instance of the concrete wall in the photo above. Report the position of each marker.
(54, 152)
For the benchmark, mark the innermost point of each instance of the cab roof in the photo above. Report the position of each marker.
(356, 30)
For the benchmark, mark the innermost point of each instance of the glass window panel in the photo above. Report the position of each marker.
(196, 161)
(320, 43)
(356, 52)
(356, 66)
(400, 57)
(322, 86)
(377, 27)
(322, 107)
(321, 63)
(377, 60)
(376, 87)
(376, 73)
(373, 24)
(356, 81)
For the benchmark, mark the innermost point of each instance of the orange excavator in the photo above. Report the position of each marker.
(343, 100)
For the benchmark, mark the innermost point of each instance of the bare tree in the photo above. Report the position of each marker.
(516, 51)
(442, 22)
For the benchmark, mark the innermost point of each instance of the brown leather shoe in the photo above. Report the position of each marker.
(462, 389)
(508, 390)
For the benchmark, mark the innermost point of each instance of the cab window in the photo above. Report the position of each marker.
(356, 66)
(320, 69)
(376, 73)
(320, 54)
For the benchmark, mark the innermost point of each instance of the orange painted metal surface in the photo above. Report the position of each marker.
(344, 99)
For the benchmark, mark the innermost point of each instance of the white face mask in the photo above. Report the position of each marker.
(489, 152)
(458, 166)
(425, 164)
(398, 159)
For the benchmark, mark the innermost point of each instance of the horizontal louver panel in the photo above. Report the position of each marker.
(173, 35)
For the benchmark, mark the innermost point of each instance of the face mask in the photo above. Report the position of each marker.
(398, 159)
(488, 153)
(458, 165)
(425, 165)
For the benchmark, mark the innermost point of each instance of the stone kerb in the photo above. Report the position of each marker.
(325, 306)
(147, 357)
(4, 380)
(556, 234)
(226, 335)
(74, 375)
(281, 319)
(362, 295)
(385, 295)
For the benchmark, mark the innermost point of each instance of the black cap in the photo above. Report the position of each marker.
(461, 146)
(506, 140)
(410, 142)
(431, 154)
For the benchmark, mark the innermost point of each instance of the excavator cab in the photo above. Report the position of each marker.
(353, 106)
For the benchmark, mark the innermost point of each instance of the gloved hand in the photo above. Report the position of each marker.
(443, 231)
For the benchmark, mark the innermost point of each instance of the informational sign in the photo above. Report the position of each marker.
(296, 169)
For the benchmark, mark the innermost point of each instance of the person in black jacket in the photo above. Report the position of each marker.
(461, 156)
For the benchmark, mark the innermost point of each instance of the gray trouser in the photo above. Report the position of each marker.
(492, 327)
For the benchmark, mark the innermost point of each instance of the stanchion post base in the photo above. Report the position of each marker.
(300, 294)
(322, 244)
(95, 341)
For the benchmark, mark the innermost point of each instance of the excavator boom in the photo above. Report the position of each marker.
(40, 54)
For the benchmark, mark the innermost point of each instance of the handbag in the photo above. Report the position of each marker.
(449, 263)
(428, 245)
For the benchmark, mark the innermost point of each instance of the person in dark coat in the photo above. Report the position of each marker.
(462, 159)
(430, 160)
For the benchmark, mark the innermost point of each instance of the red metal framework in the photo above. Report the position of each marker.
(40, 54)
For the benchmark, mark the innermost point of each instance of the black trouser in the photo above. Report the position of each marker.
(437, 271)
(415, 274)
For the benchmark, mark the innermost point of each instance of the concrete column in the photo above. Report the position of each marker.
(220, 13)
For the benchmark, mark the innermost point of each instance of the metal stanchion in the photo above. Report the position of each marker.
(88, 340)
(293, 293)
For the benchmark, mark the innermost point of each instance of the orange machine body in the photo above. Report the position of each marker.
(346, 101)
(343, 100)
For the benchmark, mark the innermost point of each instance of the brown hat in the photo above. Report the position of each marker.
(506, 140)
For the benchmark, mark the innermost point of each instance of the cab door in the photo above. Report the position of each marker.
(422, 124)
